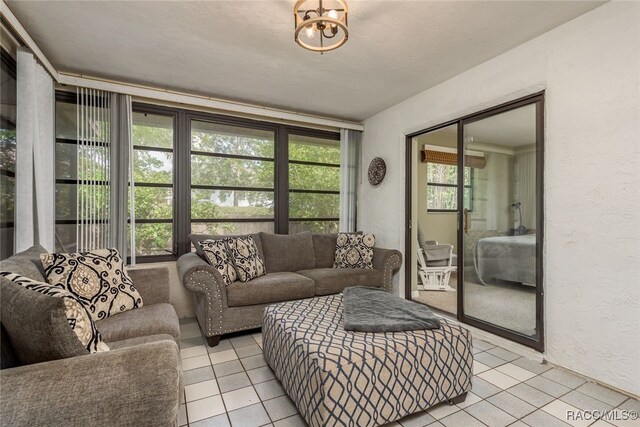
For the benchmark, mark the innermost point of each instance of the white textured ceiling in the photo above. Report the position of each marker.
(513, 128)
(244, 50)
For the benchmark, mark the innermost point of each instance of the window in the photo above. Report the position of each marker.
(195, 172)
(232, 179)
(314, 184)
(153, 178)
(91, 157)
(442, 191)
(7, 154)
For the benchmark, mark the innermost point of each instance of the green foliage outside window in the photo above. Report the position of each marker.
(442, 190)
(7, 183)
(314, 177)
(255, 198)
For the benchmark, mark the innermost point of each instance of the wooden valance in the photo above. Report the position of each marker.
(445, 158)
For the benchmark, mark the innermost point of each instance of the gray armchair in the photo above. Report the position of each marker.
(137, 382)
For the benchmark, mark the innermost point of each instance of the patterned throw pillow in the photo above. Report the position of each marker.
(217, 253)
(246, 258)
(77, 314)
(354, 250)
(97, 278)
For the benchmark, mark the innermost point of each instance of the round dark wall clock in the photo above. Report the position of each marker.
(377, 171)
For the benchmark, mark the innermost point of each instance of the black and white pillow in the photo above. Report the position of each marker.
(354, 250)
(217, 253)
(97, 278)
(77, 314)
(246, 258)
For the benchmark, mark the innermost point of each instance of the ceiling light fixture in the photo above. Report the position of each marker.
(324, 28)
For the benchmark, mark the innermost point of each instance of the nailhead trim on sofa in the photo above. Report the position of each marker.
(206, 284)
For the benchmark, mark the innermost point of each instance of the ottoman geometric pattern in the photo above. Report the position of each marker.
(342, 378)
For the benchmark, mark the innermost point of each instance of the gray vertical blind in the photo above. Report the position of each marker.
(349, 155)
(105, 193)
(93, 154)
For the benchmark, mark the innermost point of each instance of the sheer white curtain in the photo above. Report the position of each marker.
(122, 200)
(349, 155)
(35, 149)
(525, 191)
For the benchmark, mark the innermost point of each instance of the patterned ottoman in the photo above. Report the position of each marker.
(341, 378)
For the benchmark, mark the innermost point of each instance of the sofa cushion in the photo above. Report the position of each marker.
(354, 250)
(334, 280)
(148, 320)
(283, 252)
(78, 316)
(130, 342)
(272, 287)
(36, 325)
(217, 254)
(196, 238)
(26, 263)
(8, 358)
(246, 258)
(324, 246)
(97, 278)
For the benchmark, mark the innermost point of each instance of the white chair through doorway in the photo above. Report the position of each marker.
(435, 266)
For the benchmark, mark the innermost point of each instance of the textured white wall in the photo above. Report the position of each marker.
(590, 69)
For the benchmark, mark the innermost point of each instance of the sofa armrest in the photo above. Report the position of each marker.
(210, 291)
(131, 386)
(388, 261)
(152, 283)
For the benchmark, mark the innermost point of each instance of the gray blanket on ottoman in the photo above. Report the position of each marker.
(375, 310)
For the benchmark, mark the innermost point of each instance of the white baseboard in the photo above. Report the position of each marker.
(415, 294)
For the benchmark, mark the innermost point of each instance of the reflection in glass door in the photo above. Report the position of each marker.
(501, 227)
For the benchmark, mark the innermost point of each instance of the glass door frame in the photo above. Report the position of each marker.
(538, 100)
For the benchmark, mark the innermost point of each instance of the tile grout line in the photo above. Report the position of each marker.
(471, 415)
(186, 410)
(184, 393)
(504, 362)
(554, 398)
(253, 386)
(224, 405)
(523, 382)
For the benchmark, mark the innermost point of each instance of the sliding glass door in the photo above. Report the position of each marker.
(501, 225)
(475, 219)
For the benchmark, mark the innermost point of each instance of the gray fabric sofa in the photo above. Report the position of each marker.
(298, 266)
(137, 382)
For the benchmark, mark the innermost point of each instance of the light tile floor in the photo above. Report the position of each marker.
(231, 385)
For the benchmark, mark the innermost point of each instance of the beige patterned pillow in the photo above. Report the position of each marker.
(217, 254)
(77, 314)
(354, 250)
(246, 258)
(97, 278)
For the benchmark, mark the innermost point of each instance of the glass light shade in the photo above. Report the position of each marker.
(325, 29)
(309, 31)
(333, 15)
